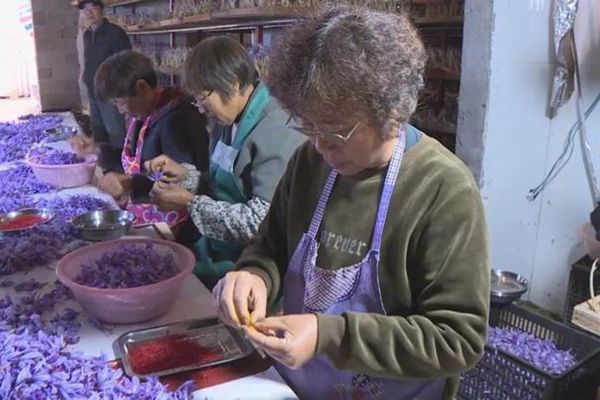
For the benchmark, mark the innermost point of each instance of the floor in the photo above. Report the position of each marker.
(11, 109)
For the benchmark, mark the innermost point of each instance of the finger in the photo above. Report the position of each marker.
(216, 293)
(240, 299)
(155, 164)
(226, 304)
(217, 297)
(161, 185)
(279, 356)
(258, 304)
(273, 324)
(168, 178)
(269, 343)
(160, 165)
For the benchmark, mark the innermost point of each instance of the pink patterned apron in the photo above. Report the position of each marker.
(146, 213)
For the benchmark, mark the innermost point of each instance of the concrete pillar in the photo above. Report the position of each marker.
(55, 32)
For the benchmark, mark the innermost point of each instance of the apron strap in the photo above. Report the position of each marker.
(388, 189)
(315, 223)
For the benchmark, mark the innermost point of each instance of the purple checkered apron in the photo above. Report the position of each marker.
(309, 288)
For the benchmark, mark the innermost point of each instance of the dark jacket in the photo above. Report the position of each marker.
(98, 45)
(176, 129)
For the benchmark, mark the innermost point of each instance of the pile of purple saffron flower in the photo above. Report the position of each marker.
(542, 353)
(37, 327)
(19, 181)
(16, 138)
(46, 155)
(37, 362)
(127, 267)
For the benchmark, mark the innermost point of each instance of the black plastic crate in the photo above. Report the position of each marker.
(502, 376)
(578, 289)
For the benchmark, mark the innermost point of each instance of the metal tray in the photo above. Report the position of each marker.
(44, 213)
(209, 333)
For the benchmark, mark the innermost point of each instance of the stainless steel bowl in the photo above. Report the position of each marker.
(61, 132)
(507, 286)
(103, 225)
(44, 213)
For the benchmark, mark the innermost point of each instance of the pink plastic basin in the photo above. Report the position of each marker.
(125, 306)
(590, 244)
(64, 176)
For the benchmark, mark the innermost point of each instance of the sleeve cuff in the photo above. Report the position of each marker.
(331, 330)
(141, 186)
(192, 178)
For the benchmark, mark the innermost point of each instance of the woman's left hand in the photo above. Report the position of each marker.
(82, 145)
(170, 196)
(289, 339)
(116, 184)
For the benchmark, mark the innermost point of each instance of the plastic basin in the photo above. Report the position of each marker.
(131, 305)
(65, 176)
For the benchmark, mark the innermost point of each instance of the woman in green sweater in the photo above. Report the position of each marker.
(376, 238)
(250, 147)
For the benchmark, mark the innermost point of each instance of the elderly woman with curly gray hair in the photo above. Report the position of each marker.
(376, 239)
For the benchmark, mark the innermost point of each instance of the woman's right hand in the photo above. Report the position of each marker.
(82, 145)
(240, 298)
(173, 172)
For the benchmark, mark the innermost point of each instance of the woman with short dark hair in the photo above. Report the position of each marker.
(162, 121)
(376, 237)
(250, 149)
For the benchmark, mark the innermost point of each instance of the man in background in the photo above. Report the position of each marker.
(101, 40)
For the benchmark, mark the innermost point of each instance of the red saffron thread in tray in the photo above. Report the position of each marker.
(22, 221)
(167, 352)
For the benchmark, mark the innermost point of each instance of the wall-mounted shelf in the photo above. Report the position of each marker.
(114, 3)
(224, 19)
(264, 12)
(439, 20)
(221, 25)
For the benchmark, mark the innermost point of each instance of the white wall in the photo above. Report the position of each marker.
(537, 239)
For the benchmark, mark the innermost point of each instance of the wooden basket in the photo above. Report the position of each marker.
(586, 315)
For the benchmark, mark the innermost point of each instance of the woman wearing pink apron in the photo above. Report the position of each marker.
(375, 240)
(146, 213)
(163, 121)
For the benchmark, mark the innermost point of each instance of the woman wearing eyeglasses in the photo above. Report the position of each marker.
(251, 146)
(376, 238)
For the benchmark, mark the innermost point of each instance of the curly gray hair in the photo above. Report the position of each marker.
(348, 61)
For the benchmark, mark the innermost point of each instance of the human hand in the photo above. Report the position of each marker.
(240, 298)
(82, 145)
(170, 196)
(172, 170)
(116, 184)
(289, 339)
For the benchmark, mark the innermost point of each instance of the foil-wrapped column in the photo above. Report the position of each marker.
(562, 82)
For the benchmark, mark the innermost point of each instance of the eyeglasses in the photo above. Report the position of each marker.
(313, 133)
(200, 101)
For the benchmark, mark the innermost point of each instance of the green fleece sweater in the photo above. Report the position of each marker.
(433, 271)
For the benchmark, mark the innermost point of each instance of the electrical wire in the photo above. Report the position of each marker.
(565, 156)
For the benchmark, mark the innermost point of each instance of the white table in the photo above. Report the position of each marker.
(195, 302)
